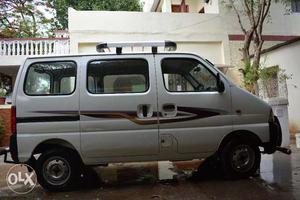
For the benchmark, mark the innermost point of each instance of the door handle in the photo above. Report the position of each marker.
(144, 110)
(169, 107)
(169, 110)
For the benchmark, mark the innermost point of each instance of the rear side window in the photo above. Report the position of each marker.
(50, 78)
(117, 76)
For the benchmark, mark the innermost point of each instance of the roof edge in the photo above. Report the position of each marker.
(277, 46)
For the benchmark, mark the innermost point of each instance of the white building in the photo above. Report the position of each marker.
(286, 56)
(204, 27)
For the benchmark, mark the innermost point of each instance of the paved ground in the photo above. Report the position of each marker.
(279, 179)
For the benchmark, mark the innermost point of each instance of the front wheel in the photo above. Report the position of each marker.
(58, 170)
(240, 158)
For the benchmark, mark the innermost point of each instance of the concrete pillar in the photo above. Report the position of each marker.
(280, 109)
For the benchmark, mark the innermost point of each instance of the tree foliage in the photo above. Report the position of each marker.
(61, 7)
(24, 18)
(37, 18)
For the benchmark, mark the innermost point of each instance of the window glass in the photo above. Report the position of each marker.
(118, 76)
(295, 6)
(187, 75)
(52, 78)
(67, 84)
(176, 82)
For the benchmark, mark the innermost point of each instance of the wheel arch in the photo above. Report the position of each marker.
(242, 134)
(54, 143)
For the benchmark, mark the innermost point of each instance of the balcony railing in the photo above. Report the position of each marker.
(34, 46)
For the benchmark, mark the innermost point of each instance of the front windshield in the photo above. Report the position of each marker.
(204, 77)
(185, 74)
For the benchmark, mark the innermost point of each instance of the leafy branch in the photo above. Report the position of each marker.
(251, 16)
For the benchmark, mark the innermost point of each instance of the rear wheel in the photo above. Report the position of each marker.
(240, 158)
(58, 170)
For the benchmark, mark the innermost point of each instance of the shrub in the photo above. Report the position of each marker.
(3, 92)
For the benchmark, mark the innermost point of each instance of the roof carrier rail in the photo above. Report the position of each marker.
(168, 45)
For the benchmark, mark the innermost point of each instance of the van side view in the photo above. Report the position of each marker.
(77, 110)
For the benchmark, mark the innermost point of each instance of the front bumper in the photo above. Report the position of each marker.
(275, 139)
(12, 149)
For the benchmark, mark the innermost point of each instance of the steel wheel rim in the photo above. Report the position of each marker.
(56, 170)
(242, 158)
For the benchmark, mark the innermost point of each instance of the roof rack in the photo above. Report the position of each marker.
(168, 45)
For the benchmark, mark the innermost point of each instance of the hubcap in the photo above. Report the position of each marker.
(243, 158)
(56, 171)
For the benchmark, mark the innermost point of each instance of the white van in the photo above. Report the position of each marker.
(97, 109)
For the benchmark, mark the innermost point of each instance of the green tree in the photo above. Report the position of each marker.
(252, 15)
(24, 18)
(61, 7)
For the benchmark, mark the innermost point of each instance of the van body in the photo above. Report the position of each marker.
(106, 108)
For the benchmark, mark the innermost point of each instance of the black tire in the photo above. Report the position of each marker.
(89, 178)
(240, 158)
(31, 162)
(209, 169)
(62, 163)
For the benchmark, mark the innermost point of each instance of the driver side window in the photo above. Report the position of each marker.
(187, 75)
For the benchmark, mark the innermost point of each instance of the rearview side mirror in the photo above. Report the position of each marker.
(220, 84)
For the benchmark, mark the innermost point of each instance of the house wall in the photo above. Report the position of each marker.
(212, 7)
(11, 60)
(204, 30)
(166, 6)
(147, 5)
(194, 6)
(287, 57)
(193, 32)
